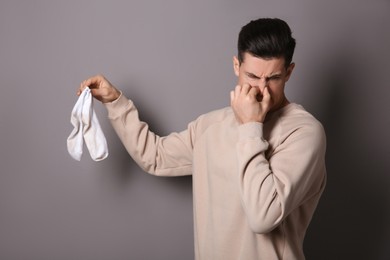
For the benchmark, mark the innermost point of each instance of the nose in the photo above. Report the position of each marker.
(262, 83)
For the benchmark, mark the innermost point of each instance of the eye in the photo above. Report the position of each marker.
(275, 78)
(252, 76)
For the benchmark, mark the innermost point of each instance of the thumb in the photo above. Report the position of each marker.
(266, 99)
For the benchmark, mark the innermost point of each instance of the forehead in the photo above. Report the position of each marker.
(261, 66)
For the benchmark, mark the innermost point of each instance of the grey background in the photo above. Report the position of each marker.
(174, 59)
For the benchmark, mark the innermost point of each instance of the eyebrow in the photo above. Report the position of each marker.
(252, 75)
(275, 74)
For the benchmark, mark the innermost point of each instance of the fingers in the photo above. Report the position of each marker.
(266, 96)
(244, 91)
(253, 92)
(266, 102)
(235, 93)
(101, 89)
(93, 82)
(250, 104)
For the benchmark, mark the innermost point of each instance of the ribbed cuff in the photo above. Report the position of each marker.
(250, 130)
(116, 107)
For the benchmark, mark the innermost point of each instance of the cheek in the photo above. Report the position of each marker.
(241, 80)
(276, 93)
(245, 80)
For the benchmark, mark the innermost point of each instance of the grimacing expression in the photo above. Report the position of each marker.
(259, 72)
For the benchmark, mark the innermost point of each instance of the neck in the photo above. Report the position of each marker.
(282, 104)
(275, 109)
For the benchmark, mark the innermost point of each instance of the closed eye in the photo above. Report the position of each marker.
(275, 77)
(252, 76)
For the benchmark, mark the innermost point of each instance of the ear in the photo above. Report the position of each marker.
(290, 70)
(236, 66)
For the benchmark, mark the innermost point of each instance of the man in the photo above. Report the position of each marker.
(258, 166)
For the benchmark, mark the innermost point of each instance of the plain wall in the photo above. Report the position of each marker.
(174, 59)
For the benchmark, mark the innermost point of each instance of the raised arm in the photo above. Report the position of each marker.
(165, 156)
(272, 187)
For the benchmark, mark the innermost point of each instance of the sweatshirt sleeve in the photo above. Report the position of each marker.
(163, 156)
(271, 189)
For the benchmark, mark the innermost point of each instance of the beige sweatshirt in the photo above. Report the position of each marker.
(255, 186)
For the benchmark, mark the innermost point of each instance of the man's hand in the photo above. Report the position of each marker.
(101, 89)
(247, 104)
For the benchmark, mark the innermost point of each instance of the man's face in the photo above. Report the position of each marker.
(259, 73)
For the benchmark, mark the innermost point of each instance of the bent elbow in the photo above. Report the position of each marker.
(263, 227)
(264, 222)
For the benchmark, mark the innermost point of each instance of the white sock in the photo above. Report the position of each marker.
(87, 127)
(75, 140)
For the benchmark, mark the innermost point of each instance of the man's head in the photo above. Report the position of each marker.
(266, 38)
(265, 50)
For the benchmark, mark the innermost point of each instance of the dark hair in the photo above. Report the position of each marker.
(266, 38)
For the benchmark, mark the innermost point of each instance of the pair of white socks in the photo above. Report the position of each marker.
(86, 128)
